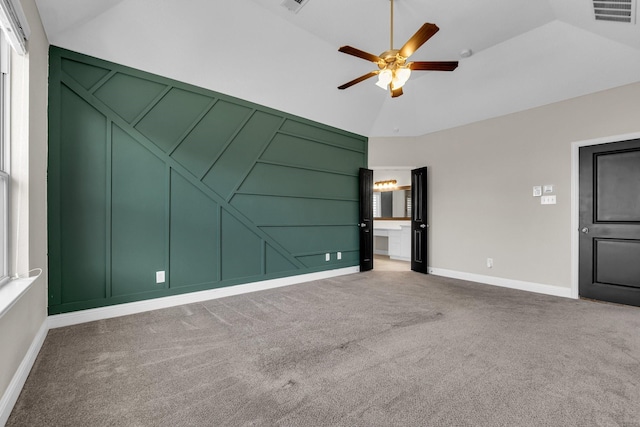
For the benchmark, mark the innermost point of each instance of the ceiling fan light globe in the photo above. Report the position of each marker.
(396, 83)
(385, 77)
(403, 74)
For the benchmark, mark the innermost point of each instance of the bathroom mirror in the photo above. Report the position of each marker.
(392, 204)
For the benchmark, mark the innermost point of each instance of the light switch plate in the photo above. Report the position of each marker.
(537, 191)
(547, 189)
(548, 200)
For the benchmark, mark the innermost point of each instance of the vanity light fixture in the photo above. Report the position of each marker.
(385, 185)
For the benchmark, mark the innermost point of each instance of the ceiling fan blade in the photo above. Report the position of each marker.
(396, 92)
(360, 54)
(433, 66)
(418, 39)
(358, 80)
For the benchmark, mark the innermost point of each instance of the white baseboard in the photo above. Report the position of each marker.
(90, 315)
(12, 392)
(538, 288)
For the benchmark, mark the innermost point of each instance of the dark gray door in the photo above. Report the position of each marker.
(610, 222)
(366, 219)
(419, 225)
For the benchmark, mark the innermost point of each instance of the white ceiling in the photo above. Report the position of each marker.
(526, 53)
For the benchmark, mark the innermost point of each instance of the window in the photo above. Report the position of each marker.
(376, 205)
(407, 203)
(4, 158)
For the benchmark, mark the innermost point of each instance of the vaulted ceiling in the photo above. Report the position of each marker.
(525, 53)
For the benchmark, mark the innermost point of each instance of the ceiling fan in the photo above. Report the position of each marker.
(394, 69)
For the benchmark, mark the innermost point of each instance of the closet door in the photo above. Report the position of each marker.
(610, 222)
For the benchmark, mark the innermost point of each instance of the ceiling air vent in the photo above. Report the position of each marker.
(294, 5)
(615, 10)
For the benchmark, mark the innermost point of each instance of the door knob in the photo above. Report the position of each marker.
(423, 225)
(585, 230)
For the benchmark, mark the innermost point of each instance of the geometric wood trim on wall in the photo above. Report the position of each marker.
(149, 174)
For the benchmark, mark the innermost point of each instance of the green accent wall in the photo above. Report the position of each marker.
(150, 174)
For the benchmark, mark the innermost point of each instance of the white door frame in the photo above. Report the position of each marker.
(575, 199)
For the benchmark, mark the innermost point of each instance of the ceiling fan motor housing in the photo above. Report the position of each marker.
(391, 59)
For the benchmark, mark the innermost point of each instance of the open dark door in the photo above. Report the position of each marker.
(419, 224)
(366, 219)
(610, 222)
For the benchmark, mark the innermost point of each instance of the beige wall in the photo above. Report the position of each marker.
(481, 177)
(19, 326)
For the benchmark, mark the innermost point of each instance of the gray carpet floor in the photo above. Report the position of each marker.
(379, 348)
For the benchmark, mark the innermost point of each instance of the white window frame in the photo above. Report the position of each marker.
(5, 163)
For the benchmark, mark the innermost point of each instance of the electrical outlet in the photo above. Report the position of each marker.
(159, 276)
(489, 262)
(339, 255)
(327, 257)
